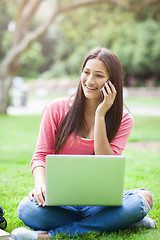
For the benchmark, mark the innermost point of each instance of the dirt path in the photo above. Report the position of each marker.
(155, 146)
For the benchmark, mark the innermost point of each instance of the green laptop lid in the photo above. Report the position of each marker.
(84, 180)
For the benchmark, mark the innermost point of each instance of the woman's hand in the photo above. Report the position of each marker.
(39, 194)
(109, 98)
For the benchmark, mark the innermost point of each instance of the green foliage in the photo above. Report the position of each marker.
(32, 60)
(6, 41)
(135, 43)
(133, 36)
(139, 50)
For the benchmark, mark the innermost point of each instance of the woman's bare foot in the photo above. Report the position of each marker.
(43, 236)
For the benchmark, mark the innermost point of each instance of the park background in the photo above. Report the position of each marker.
(43, 44)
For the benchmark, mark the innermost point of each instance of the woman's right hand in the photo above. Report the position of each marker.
(39, 194)
(109, 97)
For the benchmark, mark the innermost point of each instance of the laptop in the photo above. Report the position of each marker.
(84, 180)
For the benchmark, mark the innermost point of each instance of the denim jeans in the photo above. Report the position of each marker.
(82, 219)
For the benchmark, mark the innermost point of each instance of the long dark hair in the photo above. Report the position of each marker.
(74, 120)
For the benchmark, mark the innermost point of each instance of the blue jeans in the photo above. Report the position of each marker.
(82, 219)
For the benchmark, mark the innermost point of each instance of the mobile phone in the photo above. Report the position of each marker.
(102, 95)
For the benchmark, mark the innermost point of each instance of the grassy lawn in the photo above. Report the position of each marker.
(145, 129)
(143, 101)
(18, 136)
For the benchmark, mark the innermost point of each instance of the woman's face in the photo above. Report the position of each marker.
(93, 77)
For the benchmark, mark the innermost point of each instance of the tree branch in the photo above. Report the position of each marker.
(25, 12)
(20, 10)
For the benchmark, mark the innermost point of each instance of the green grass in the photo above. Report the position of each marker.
(18, 136)
(145, 129)
(143, 101)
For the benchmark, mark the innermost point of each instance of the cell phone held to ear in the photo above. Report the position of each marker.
(102, 95)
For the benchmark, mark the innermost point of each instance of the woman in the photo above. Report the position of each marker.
(84, 124)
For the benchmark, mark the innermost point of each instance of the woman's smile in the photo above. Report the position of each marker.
(91, 88)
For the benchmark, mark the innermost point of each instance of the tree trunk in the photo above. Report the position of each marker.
(5, 85)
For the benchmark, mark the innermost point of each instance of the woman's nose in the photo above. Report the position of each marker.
(90, 79)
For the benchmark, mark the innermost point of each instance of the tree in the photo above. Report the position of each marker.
(23, 37)
(134, 41)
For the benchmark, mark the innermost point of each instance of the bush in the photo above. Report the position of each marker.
(139, 50)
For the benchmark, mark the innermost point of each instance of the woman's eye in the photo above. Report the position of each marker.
(99, 76)
(86, 72)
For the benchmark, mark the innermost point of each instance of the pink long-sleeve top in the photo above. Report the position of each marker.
(53, 115)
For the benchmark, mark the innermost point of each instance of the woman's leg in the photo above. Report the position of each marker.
(46, 218)
(134, 208)
(147, 195)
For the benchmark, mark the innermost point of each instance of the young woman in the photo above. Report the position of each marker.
(86, 124)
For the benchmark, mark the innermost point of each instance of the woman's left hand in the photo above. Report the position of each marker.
(109, 97)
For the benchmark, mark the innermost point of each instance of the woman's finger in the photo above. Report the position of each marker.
(104, 92)
(39, 196)
(43, 191)
(108, 89)
(31, 195)
(112, 88)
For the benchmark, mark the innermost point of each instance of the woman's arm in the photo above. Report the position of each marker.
(45, 145)
(39, 191)
(101, 143)
(53, 114)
